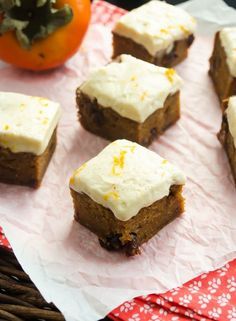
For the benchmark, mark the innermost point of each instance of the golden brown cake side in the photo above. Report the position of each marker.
(224, 82)
(107, 123)
(227, 142)
(128, 235)
(123, 45)
(25, 168)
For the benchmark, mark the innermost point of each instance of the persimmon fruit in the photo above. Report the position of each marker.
(41, 34)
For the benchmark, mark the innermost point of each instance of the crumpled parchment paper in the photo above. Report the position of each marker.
(63, 258)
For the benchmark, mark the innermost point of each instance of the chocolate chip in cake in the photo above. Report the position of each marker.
(132, 247)
(111, 243)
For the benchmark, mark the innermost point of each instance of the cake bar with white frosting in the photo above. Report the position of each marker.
(27, 137)
(153, 31)
(132, 94)
(26, 122)
(223, 63)
(124, 185)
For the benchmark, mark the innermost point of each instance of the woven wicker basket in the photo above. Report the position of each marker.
(19, 298)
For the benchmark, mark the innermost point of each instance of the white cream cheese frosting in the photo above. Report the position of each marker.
(156, 26)
(126, 177)
(228, 41)
(231, 117)
(27, 123)
(132, 87)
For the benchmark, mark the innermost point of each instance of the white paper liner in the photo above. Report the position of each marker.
(63, 258)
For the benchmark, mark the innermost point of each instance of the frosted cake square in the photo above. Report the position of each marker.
(223, 63)
(156, 32)
(130, 99)
(126, 194)
(27, 137)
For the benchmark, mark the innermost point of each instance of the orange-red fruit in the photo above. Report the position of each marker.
(54, 50)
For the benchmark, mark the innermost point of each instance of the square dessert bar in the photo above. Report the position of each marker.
(126, 194)
(155, 32)
(129, 98)
(223, 63)
(27, 137)
(227, 134)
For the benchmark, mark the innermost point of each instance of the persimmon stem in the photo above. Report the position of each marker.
(32, 20)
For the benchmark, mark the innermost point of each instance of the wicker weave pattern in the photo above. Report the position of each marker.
(19, 298)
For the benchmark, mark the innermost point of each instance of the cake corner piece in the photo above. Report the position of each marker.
(126, 194)
(27, 140)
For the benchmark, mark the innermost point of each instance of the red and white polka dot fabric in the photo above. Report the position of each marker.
(211, 296)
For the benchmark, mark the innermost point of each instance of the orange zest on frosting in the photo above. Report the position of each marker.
(132, 148)
(144, 95)
(133, 78)
(6, 127)
(165, 31)
(185, 31)
(112, 194)
(169, 73)
(42, 101)
(76, 173)
(45, 121)
(22, 106)
(118, 162)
